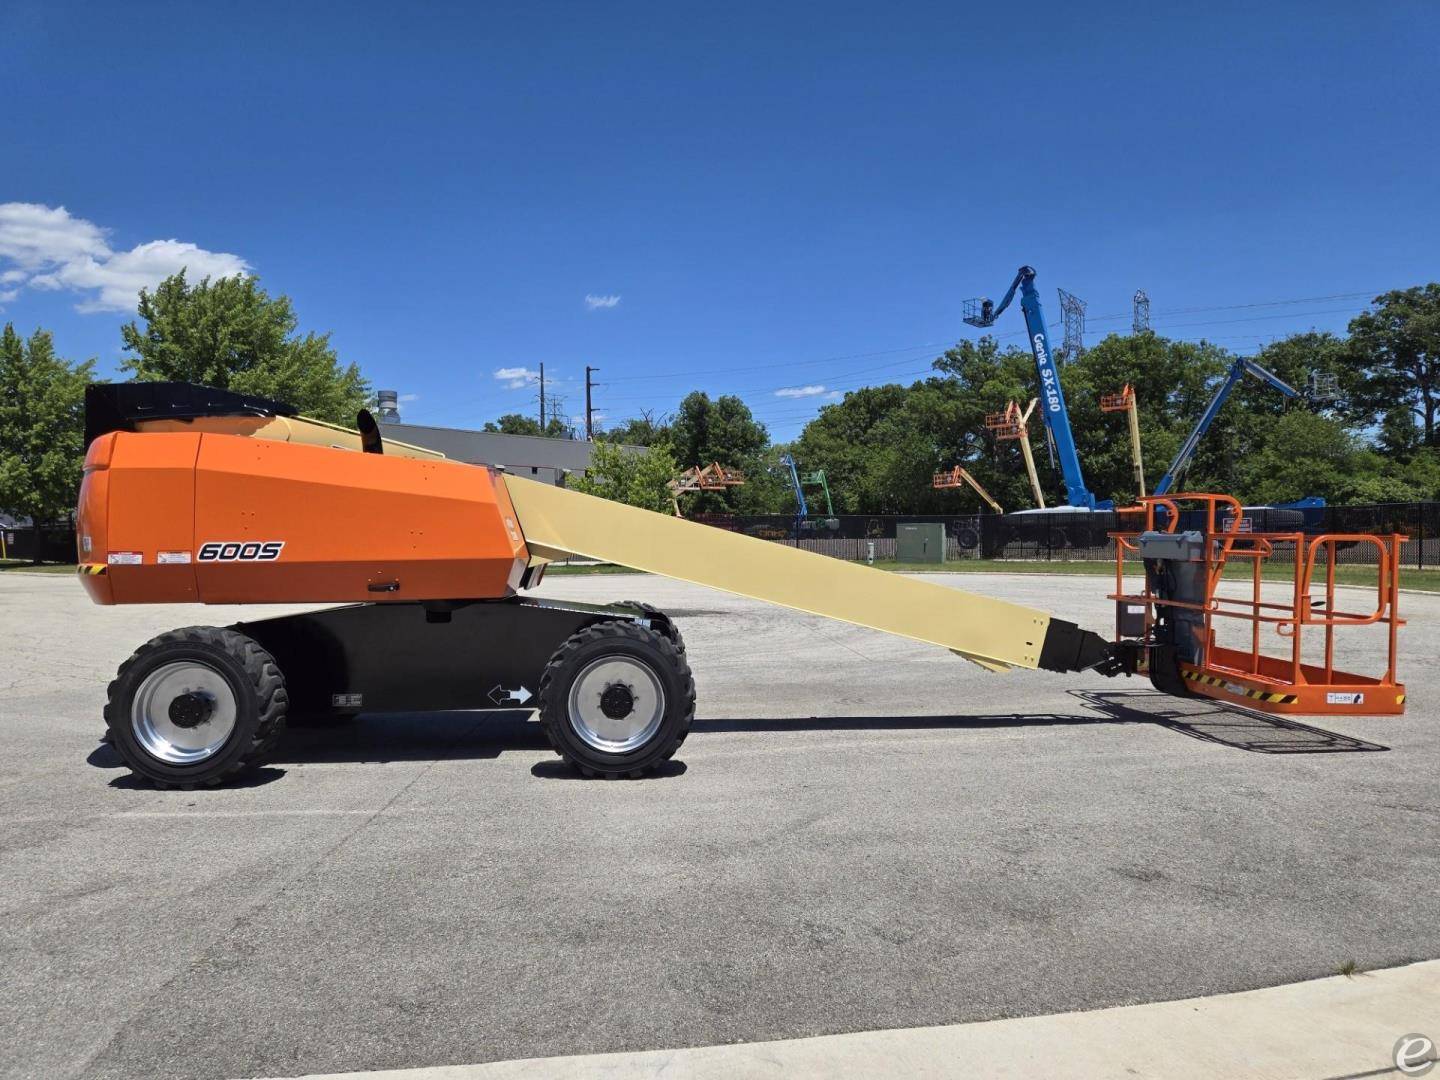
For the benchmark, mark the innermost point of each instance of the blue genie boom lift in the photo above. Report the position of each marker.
(798, 481)
(802, 508)
(982, 313)
(1238, 370)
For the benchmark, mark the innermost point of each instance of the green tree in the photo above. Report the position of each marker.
(880, 446)
(1398, 345)
(231, 334)
(642, 430)
(722, 430)
(637, 479)
(42, 427)
(520, 424)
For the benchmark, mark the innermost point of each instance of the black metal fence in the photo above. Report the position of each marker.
(1031, 536)
(57, 542)
(1082, 536)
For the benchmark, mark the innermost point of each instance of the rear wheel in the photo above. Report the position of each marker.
(196, 705)
(617, 699)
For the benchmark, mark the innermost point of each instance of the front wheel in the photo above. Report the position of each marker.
(194, 706)
(617, 699)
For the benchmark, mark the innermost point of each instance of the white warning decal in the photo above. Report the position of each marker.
(125, 558)
(167, 557)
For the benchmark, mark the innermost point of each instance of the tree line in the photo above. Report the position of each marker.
(879, 446)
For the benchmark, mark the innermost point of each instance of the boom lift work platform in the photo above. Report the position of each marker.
(1183, 606)
(712, 477)
(200, 496)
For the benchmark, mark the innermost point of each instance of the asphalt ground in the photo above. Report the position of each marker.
(860, 833)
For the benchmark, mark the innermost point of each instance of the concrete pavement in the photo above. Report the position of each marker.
(861, 833)
(1327, 1028)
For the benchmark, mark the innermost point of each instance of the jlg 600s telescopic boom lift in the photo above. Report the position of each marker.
(196, 495)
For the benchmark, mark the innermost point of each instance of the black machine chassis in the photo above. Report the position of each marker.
(422, 657)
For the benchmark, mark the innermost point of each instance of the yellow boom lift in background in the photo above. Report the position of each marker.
(1125, 402)
(1014, 424)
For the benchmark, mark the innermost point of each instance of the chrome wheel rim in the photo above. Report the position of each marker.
(183, 712)
(601, 691)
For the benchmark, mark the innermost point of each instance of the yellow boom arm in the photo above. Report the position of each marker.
(994, 633)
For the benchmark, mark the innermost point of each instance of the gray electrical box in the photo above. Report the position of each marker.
(921, 543)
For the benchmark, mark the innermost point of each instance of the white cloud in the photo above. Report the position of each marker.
(516, 378)
(596, 303)
(409, 397)
(51, 249)
(801, 391)
(6, 295)
(35, 236)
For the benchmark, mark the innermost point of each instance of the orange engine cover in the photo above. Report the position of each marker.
(224, 519)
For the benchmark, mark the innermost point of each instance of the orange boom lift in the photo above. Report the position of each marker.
(205, 496)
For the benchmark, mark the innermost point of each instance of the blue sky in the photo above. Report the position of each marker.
(783, 197)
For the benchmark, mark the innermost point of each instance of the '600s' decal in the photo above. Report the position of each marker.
(241, 550)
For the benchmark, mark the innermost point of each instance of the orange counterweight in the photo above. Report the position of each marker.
(175, 517)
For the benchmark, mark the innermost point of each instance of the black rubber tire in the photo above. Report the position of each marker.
(664, 621)
(260, 698)
(653, 648)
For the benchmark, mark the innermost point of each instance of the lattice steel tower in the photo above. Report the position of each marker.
(1072, 308)
(1140, 323)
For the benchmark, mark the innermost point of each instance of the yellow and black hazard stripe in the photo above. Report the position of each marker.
(1236, 688)
(90, 569)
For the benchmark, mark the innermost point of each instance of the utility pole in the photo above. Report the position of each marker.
(1140, 321)
(542, 397)
(589, 412)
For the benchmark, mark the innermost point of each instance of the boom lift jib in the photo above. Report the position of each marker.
(983, 312)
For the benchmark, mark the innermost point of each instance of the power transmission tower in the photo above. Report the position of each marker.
(1072, 308)
(542, 398)
(589, 411)
(1140, 323)
(557, 412)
